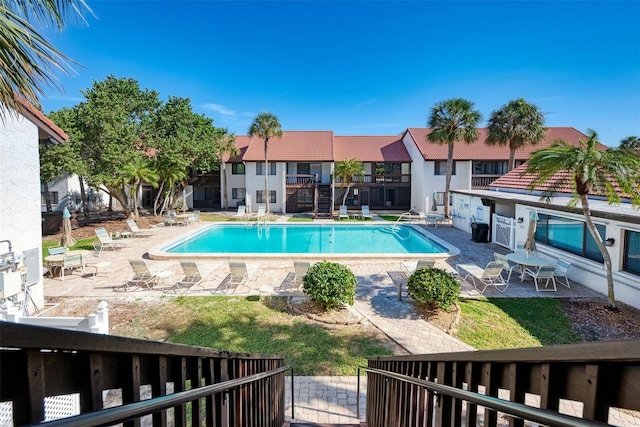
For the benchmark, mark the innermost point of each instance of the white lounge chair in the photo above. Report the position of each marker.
(106, 242)
(491, 275)
(194, 275)
(546, 273)
(142, 232)
(142, 276)
(343, 212)
(408, 269)
(238, 276)
(505, 264)
(262, 213)
(365, 212)
(241, 211)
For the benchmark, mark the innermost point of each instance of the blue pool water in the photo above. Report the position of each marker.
(304, 239)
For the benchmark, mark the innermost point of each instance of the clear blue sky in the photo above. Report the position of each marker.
(367, 67)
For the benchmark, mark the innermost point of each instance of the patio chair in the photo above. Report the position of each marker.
(300, 269)
(142, 232)
(58, 250)
(107, 242)
(365, 212)
(262, 213)
(408, 270)
(241, 211)
(169, 220)
(561, 270)
(343, 212)
(71, 262)
(491, 275)
(194, 275)
(196, 215)
(238, 276)
(546, 273)
(142, 276)
(505, 264)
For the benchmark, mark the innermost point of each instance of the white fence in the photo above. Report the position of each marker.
(97, 322)
(504, 231)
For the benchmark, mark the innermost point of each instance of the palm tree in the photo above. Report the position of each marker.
(590, 170)
(266, 126)
(135, 173)
(452, 120)
(516, 124)
(28, 60)
(346, 170)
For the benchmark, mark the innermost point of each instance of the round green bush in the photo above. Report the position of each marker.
(435, 287)
(330, 284)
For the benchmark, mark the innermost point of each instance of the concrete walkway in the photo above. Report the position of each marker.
(318, 399)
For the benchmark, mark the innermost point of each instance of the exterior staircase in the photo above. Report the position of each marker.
(325, 202)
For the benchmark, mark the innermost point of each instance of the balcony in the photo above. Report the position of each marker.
(379, 179)
(300, 180)
(481, 182)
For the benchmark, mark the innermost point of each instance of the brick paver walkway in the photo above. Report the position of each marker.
(322, 399)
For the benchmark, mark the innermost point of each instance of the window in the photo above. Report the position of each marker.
(237, 168)
(490, 168)
(238, 193)
(260, 168)
(440, 167)
(304, 168)
(631, 255)
(569, 235)
(52, 194)
(261, 199)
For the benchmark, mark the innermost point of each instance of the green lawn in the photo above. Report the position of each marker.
(86, 244)
(248, 325)
(497, 323)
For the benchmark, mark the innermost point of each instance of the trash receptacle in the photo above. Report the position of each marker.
(479, 232)
(51, 222)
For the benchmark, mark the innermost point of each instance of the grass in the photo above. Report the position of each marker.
(86, 244)
(498, 323)
(248, 325)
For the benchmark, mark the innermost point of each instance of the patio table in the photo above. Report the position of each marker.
(58, 259)
(523, 261)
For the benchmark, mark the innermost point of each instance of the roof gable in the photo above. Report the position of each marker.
(293, 145)
(43, 122)
(370, 149)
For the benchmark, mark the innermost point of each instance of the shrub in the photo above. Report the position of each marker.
(434, 286)
(330, 284)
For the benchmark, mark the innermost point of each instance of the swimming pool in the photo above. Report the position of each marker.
(307, 240)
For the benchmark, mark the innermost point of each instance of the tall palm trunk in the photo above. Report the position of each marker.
(586, 210)
(266, 174)
(448, 180)
(47, 197)
(83, 197)
(512, 158)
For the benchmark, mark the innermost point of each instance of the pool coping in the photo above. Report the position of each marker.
(157, 252)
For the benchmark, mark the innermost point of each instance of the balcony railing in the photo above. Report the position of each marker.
(448, 389)
(379, 179)
(300, 179)
(481, 182)
(209, 387)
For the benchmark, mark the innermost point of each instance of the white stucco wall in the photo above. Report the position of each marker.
(419, 187)
(234, 181)
(256, 182)
(20, 220)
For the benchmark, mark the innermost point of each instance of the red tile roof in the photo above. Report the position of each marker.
(519, 181)
(294, 145)
(370, 149)
(242, 143)
(478, 150)
(43, 122)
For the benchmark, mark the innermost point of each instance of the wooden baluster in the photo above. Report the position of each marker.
(159, 388)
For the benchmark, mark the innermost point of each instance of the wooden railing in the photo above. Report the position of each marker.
(480, 182)
(445, 391)
(39, 363)
(379, 179)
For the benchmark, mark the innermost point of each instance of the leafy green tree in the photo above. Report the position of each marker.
(266, 126)
(113, 122)
(346, 170)
(630, 143)
(67, 157)
(516, 124)
(182, 141)
(452, 120)
(27, 60)
(607, 173)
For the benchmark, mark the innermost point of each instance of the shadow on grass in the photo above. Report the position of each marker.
(248, 326)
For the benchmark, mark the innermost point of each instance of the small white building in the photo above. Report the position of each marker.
(561, 232)
(20, 218)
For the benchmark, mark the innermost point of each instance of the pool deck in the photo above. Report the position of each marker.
(318, 399)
